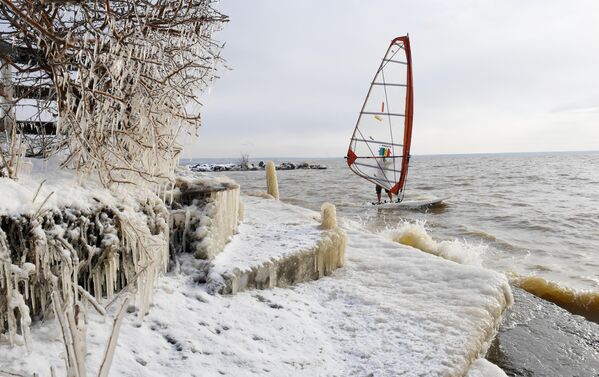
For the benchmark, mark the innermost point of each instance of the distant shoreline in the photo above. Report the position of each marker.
(250, 166)
(193, 160)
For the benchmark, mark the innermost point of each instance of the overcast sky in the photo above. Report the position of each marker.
(489, 76)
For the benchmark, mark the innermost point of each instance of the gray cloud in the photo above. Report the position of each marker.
(489, 76)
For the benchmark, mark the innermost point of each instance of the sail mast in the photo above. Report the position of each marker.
(408, 118)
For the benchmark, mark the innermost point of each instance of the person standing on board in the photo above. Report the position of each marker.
(384, 164)
(379, 190)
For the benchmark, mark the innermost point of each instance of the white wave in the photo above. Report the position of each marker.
(484, 368)
(415, 235)
(582, 302)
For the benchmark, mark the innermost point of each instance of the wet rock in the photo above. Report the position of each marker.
(247, 166)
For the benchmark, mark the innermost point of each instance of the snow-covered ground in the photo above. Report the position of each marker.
(392, 310)
(52, 191)
(282, 249)
(271, 231)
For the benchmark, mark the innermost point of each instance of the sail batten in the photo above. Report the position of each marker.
(379, 149)
(379, 113)
(387, 84)
(377, 142)
(394, 61)
(371, 166)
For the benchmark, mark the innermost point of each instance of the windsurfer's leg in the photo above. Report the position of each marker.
(378, 194)
(389, 195)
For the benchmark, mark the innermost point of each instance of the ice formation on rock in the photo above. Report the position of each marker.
(391, 311)
(271, 180)
(328, 215)
(276, 250)
(51, 261)
(205, 213)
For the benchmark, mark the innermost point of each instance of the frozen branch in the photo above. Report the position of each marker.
(117, 77)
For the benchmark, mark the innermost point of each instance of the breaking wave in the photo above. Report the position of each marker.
(584, 303)
(415, 235)
(482, 234)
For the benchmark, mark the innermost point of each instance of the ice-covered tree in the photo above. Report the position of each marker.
(121, 77)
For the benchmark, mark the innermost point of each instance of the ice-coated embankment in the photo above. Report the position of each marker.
(277, 246)
(204, 214)
(63, 248)
(392, 310)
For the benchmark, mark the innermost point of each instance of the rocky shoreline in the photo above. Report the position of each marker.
(248, 166)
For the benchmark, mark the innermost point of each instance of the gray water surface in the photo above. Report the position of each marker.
(530, 214)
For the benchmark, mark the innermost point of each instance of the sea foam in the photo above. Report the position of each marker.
(415, 235)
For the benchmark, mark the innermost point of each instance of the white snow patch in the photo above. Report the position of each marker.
(391, 311)
(271, 230)
(55, 190)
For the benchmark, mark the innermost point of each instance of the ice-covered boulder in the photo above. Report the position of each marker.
(205, 212)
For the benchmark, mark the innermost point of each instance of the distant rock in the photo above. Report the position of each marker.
(286, 166)
(248, 166)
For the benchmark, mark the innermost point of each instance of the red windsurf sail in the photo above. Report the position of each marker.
(379, 150)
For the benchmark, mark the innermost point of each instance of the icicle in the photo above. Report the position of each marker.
(170, 203)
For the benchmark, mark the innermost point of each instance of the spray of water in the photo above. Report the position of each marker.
(415, 234)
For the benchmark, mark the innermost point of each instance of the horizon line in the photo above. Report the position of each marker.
(413, 155)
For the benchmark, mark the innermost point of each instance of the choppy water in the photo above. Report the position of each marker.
(529, 213)
(533, 216)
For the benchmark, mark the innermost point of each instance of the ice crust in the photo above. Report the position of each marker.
(57, 190)
(75, 244)
(392, 310)
(205, 213)
(277, 246)
(271, 230)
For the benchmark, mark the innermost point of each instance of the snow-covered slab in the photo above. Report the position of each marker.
(277, 245)
(56, 190)
(392, 310)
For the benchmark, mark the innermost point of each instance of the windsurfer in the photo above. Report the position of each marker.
(379, 149)
(384, 164)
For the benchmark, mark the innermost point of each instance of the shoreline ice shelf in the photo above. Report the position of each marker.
(275, 248)
(390, 310)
